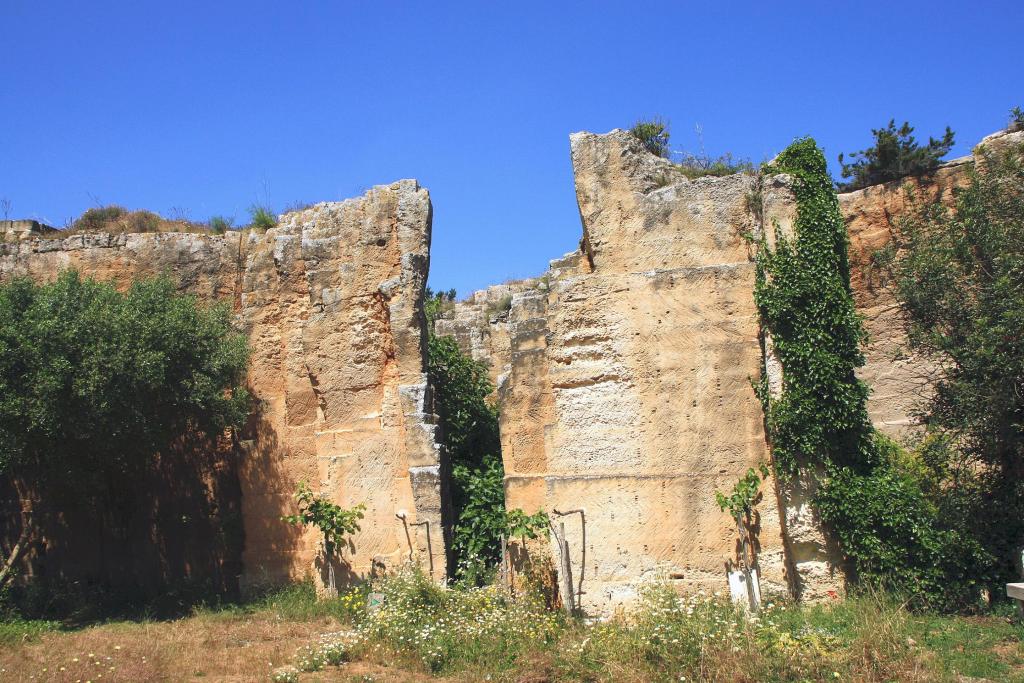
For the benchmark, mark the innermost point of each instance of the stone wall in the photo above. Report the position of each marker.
(331, 301)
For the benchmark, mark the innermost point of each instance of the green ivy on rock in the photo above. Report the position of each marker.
(819, 425)
(803, 294)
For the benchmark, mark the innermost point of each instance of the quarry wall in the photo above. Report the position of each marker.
(331, 301)
(623, 373)
(624, 379)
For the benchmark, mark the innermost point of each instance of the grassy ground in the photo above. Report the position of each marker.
(426, 634)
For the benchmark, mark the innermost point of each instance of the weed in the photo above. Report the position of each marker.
(261, 218)
(221, 224)
(500, 307)
(701, 165)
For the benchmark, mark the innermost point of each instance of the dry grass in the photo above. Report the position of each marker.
(224, 648)
(213, 647)
(863, 640)
(117, 219)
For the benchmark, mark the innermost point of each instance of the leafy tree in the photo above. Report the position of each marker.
(740, 503)
(461, 388)
(95, 383)
(895, 154)
(962, 281)
(436, 303)
(1017, 115)
(334, 522)
(470, 428)
(653, 134)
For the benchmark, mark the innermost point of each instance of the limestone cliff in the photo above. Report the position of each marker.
(899, 378)
(623, 373)
(628, 392)
(331, 300)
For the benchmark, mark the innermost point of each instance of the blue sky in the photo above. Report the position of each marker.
(204, 108)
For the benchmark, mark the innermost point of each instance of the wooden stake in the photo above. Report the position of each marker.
(505, 579)
(568, 594)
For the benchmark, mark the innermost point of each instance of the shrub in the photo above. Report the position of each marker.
(143, 221)
(895, 154)
(261, 218)
(117, 219)
(99, 218)
(1017, 116)
(653, 134)
(95, 383)
(219, 224)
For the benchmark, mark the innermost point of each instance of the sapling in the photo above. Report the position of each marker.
(740, 503)
(333, 521)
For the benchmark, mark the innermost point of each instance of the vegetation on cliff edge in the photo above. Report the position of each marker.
(895, 154)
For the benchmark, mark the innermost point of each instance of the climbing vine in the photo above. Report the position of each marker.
(803, 294)
(819, 425)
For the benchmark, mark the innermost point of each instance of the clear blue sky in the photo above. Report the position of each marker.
(211, 106)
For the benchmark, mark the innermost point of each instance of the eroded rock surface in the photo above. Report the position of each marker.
(331, 301)
(628, 393)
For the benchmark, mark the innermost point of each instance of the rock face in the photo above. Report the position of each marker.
(331, 300)
(622, 374)
(22, 230)
(628, 393)
(480, 324)
(900, 379)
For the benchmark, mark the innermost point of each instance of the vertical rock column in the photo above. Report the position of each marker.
(629, 391)
(335, 312)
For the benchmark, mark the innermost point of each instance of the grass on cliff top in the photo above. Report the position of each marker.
(424, 632)
(117, 219)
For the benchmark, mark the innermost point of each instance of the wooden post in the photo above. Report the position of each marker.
(505, 578)
(568, 594)
(332, 587)
(748, 562)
